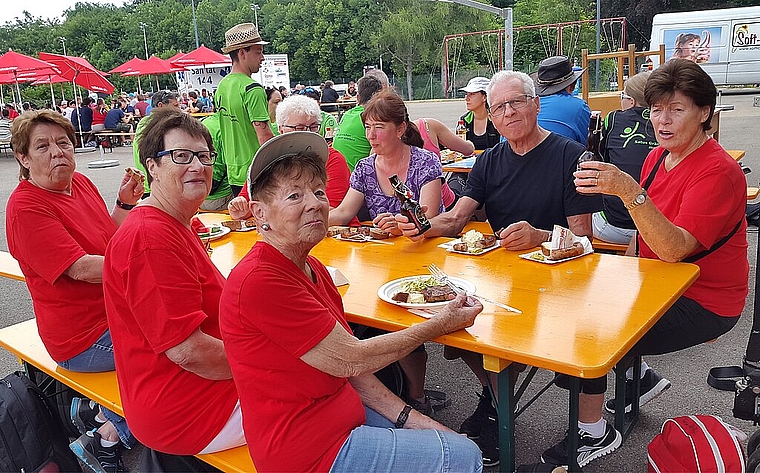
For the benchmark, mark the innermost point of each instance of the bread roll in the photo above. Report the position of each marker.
(575, 250)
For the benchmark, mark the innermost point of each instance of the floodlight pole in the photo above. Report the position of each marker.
(505, 14)
(255, 7)
(195, 24)
(62, 39)
(145, 39)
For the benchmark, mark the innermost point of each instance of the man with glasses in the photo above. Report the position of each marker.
(561, 111)
(242, 103)
(300, 113)
(526, 185)
(162, 98)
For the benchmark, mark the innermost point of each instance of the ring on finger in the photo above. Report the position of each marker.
(598, 173)
(596, 181)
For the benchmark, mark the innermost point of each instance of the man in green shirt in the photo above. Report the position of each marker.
(162, 98)
(221, 193)
(350, 139)
(242, 103)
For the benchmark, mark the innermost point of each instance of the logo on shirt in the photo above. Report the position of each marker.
(630, 133)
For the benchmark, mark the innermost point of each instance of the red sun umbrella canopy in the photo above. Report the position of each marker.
(79, 71)
(202, 56)
(50, 79)
(153, 66)
(133, 64)
(175, 57)
(16, 62)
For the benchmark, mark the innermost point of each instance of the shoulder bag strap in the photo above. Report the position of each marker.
(650, 177)
(716, 245)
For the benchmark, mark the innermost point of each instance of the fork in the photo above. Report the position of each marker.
(443, 278)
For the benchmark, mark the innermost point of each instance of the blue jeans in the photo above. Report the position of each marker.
(608, 232)
(378, 446)
(96, 359)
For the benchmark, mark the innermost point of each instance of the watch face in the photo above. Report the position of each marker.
(641, 198)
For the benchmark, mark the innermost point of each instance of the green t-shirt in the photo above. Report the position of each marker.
(350, 139)
(220, 186)
(328, 121)
(240, 102)
(135, 148)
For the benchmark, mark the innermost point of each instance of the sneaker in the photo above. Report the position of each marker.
(423, 407)
(473, 425)
(589, 448)
(438, 399)
(84, 414)
(95, 456)
(488, 441)
(652, 385)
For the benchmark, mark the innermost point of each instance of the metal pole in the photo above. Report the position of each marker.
(598, 15)
(62, 39)
(508, 42)
(195, 24)
(145, 39)
(255, 7)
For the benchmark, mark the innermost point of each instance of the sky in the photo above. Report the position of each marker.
(44, 8)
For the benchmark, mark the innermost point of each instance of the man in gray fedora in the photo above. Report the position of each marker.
(242, 103)
(561, 111)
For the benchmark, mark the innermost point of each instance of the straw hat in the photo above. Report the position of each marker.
(554, 74)
(241, 36)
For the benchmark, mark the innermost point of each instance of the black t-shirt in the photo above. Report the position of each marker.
(627, 139)
(537, 187)
(329, 95)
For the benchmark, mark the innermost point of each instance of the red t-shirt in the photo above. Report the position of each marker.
(705, 194)
(99, 116)
(160, 285)
(12, 113)
(295, 417)
(142, 106)
(47, 232)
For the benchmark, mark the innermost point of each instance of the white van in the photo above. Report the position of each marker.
(726, 43)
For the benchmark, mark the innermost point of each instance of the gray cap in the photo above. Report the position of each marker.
(282, 147)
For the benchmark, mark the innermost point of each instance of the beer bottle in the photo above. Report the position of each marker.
(461, 130)
(410, 208)
(593, 139)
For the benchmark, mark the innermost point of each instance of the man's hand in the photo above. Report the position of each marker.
(456, 315)
(238, 208)
(522, 236)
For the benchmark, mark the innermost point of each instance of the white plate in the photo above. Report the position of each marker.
(214, 236)
(531, 256)
(449, 246)
(389, 289)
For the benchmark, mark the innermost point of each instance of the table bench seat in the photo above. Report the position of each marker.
(23, 341)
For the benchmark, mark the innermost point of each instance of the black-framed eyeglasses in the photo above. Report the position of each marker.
(624, 96)
(313, 128)
(185, 156)
(515, 104)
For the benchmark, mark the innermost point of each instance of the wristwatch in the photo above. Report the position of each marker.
(640, 199)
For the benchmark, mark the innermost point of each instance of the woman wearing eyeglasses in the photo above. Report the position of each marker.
(627, 139)
(162, 299)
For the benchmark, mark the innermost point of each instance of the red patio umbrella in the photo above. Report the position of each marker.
(50, 78)
(202, 56)
(154, 66)
(132, 65)
(80, 72)
(176, 56)
(16, 63)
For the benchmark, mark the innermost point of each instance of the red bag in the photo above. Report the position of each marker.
(700, 443)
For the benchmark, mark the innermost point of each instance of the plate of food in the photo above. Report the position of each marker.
(240, 225)
(421, 291)
(212, 232)
(357, 234)
(449, 156)
(553, 256)
(472, 243)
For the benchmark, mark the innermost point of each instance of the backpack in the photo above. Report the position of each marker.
(59, 396)
(392, 376)
(32, 440)
(157, 462)
(700, 443)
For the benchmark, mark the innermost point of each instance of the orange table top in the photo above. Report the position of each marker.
(737, 154)
(579, 317)
(9, 267)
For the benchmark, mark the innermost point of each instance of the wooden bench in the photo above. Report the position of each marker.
(606, 246)
(5, 147)
(24, 341)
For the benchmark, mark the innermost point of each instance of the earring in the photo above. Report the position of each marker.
(265, 227)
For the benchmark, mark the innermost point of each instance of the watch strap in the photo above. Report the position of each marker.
(124, 206)
(638, 200)
(403, 416)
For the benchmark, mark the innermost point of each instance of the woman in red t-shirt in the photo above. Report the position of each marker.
(57, 227)
(306, 383)
(674, 222)
(99, 116)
